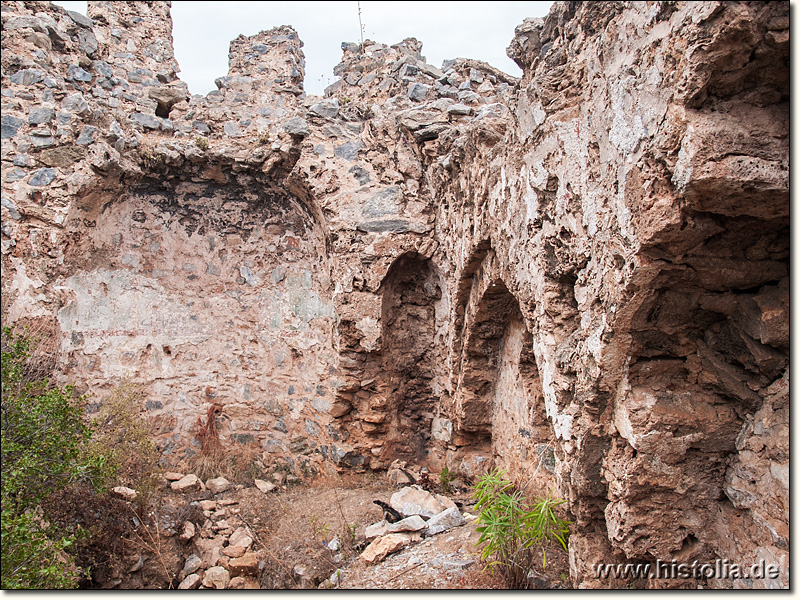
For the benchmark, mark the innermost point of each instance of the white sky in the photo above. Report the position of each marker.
(202, 32)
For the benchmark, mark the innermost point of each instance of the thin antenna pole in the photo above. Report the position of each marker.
(360, 25)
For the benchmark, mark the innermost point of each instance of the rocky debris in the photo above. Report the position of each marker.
(245, 565)
(187, 484)
(218, 485)
(265, 486)
(412, 523)
(192, 564)
(447, 519)
(216, 578)
(241, 537)
(381, 547)
(243, 583)
(125, 493)
(189, 531)
(190, 582)
(413, 500)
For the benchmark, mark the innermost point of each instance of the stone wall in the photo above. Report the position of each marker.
(580, 276)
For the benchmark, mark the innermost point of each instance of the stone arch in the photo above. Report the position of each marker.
(497, 411)
(409, 293)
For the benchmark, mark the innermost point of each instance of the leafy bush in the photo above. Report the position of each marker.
(511, 528)
(44, 440)
(122, 438)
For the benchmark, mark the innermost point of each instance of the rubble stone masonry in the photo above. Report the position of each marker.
(580, 276)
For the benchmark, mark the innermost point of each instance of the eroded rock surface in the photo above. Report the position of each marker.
(580, 276)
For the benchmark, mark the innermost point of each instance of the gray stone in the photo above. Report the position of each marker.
(350, 47)
(43, 177)
(42, 138)
(27, 76)
(468, 96)
(12, 209)
(296, 127)
(87, 136)
(41, 114)
(9, 126)
(459, 109)
(475, 76)
(193, 562)
(418, 91)
(385, 202)
(146, 121)
(15, 174)
(80, 20)
(447, 519)
(361, 174)
(75, 103)
(24, 21)
(348, 150)
(78, 74)
(232, 129)
(278, 275)
(87, 42)
(169, 95)
(385, 226)
(103, 68)
(326, 109)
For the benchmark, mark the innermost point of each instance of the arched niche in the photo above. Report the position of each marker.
(205, 291)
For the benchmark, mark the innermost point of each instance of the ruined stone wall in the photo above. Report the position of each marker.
(580, 276)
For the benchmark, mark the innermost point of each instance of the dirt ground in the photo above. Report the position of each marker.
(305, 534)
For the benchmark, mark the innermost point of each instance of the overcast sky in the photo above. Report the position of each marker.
(203, 30)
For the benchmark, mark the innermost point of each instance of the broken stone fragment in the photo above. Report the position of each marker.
(413, 500)
(445, 520)
(190, 582)
(264, 486)
(193, 562)
(234, 551)
(326, 109)
(296, 127)
(217, 578)
(125, 493)
(381, 547)
(241, 537)
(171, 476)
(245, 565)
(187, 484)
(243, 583)
(188, 532)
(218, 485)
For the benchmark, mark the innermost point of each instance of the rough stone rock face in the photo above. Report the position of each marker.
(580, 276)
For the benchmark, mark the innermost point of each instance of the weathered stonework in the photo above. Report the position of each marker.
(580, 276)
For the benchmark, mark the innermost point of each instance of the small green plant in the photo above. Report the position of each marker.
(510, 528)
(263, 138)
(320, 528)
(201, 142)
(446, 478)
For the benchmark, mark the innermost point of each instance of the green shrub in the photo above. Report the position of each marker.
(511, 528)
(44, 439)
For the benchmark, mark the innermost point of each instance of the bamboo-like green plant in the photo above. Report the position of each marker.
(511, 528)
